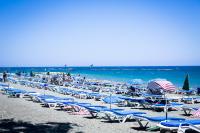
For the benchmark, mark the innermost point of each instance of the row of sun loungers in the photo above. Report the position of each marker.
(65, 103)
(120, 100)
(108, 113)
(178, 124)
(191, 100)
(146, 102)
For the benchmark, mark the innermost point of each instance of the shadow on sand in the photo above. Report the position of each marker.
(10, 125)
(139, 128)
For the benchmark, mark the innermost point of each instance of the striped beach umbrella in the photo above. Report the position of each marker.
(161, 87)
(158, 86)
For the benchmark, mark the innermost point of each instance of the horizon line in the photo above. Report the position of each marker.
(108, 66)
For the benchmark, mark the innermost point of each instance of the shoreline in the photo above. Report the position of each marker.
(175, 74)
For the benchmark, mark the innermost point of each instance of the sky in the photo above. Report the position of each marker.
(99, 32)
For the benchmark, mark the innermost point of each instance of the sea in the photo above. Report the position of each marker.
(175, 74)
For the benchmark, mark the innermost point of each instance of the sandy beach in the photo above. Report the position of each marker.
(26, 116)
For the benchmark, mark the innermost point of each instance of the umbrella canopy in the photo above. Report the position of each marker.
(136, 82)
(112, 99)
(158, 86)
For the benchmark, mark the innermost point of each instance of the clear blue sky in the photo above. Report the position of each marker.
(99, 32)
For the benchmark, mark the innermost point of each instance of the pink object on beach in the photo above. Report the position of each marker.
(81, 112)
(196, 113)
(163, 84)
(67, 108)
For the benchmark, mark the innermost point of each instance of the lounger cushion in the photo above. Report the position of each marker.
(159, 119)
(127, 112)
(177, 123)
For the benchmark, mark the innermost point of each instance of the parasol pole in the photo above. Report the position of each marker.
(110, 98)
(166, 109)
(44, 84)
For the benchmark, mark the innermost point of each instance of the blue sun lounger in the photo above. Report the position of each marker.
(154, 119)
(120, 115)
(76, 107)
(95, 110)
(73, 106)
(191, 100)
(188, 100)
(42, 98)
(72, 103)
(179, 125)
(13, 92)
(53, 102)
(64, 104)
(18, 93)
(3, 86)
(145, 103)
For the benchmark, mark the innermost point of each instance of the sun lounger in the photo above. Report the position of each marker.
(188, 110)
(189, 100)
(31, 94)
(66, 105)
(13, 92)
(53, 102)
(94, 110)
(95, 96)
(114, 100)
(81, 108)
(183, 128)
(40, 98)
(139, 118)
(169, 106)
(80, 94)
(145, 103)
(174, 125)
(120, 115)
(74, 107)
(3, 85)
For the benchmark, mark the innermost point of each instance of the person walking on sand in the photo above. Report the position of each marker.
(4, 76)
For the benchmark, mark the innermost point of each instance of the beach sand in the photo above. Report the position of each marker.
(24, 115)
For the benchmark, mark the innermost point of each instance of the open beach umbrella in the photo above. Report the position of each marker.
(136, 82)
(112, 99)
(159, 86)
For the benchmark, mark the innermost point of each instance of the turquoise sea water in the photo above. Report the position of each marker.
(175, 74)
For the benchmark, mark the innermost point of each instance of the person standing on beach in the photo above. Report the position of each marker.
(63, 77)
(4, 76)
